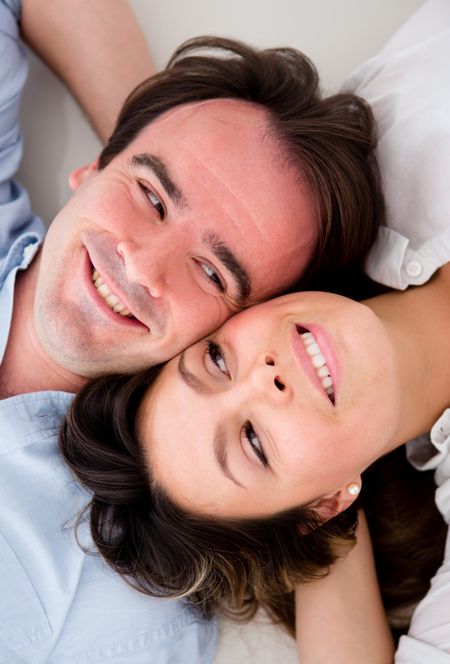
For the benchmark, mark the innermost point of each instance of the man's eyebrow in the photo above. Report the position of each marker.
(222, 252)
(231, 263)
(220, 450)
(191, 379)
(160, 169)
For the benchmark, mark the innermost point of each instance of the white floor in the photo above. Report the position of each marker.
(257, 642)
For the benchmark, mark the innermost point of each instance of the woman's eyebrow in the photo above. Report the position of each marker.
(220, 450)
(191, 379)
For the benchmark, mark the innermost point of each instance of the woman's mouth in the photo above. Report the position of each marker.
(318, 362)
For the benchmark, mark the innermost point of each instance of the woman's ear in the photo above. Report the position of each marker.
(335, 503)
(80, 174)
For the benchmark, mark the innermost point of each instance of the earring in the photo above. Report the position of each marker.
(353, 489)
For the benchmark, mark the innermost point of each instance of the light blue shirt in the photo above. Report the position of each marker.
(59, 605)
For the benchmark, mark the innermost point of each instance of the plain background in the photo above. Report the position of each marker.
(336, 34)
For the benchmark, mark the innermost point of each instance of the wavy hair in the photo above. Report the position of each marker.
(233, 565)
(331, 139)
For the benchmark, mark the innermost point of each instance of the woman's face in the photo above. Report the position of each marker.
(284, 405)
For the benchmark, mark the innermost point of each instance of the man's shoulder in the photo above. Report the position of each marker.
(116, 620)
(79, 608)
(25, 416)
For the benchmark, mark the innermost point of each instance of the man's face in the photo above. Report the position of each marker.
(199, 216)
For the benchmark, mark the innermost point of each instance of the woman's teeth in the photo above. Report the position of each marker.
(318, 362)
(111, 300)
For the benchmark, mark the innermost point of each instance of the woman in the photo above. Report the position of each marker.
(283, 408)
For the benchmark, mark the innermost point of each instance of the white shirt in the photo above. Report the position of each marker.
(428, 639)
(408, 87)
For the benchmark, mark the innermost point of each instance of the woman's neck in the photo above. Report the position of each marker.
(418, 322)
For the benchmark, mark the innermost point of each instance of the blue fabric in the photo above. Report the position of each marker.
(59, 605)
(15, 211)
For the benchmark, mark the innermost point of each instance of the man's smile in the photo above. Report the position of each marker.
(111, 300)
(118, 289)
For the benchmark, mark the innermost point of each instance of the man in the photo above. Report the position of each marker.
(220, 186)
(58, 604)
(211, 194)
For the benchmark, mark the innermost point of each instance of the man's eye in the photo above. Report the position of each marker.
(154, 200)
(255, 443)
(212, 276)
(216, 356)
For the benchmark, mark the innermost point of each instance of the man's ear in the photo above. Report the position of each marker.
(82, 173)
(335, 503)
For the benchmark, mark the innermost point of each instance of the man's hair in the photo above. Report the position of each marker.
(233, 565)
(330, 139)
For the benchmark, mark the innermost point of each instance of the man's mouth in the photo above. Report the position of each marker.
(109, 297)
(318, 361)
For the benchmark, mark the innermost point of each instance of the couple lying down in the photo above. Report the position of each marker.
(232, 473)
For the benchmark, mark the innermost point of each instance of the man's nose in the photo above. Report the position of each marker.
(147, 265)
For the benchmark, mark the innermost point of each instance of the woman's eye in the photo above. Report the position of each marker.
(212, 276)
(216, 356)
(154, 200)
(255, 443)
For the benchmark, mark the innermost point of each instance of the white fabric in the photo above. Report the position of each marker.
(408, 86)
(428, 640)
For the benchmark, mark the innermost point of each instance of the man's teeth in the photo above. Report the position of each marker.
(111, 300)
(318, 362)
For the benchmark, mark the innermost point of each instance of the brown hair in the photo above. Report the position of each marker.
(407, 530)
(331, 139)
(237, 565)
(233, 565)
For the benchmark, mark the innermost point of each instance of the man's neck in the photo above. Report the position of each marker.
(26, 367)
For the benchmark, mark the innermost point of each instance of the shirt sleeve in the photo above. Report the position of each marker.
(407, 85)
(15, 211)
(428, 639)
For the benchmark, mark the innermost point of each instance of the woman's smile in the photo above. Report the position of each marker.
(285, 398)
(314, 360)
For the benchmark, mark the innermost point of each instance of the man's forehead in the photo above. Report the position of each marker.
(226, 161)
(226, 112)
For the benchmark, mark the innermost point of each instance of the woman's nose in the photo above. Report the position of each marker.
(268, 377)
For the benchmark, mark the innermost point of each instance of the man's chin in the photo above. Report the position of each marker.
(87, 361)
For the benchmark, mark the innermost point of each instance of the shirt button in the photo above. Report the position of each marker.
(414, 268)
(27, 251)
